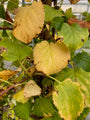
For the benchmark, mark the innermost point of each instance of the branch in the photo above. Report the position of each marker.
(5, 28)
(5, 91)
(13, 86)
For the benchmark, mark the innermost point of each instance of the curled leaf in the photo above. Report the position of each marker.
(31, 89)
(29, 22)
(51, 57)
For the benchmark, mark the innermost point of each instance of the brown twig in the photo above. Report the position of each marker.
(6, 28)
(8, 89)
(13, 86)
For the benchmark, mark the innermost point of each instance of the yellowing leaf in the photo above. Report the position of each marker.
(51, 57)
(19, 97)
(68, 99)
(6, 74)
(29, 22)
(31, 89)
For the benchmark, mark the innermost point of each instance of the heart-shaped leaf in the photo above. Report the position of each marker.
(51, 58)
(80, 76)
(73, 36)
(68, 99)
(29, 22)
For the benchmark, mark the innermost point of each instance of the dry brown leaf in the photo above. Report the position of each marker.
(6, 74)
(31, 89)
(28, 21)
(82, 23)
(73, 1)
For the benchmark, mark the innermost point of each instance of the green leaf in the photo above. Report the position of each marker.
(69, 13)
(85, 13)
(23, 110)
(74, 35)
(47, 82)
(87, 18)
(84, 114)
(57, 22)
(4, 33)
(12, 4)
(68, 99)
(82, 60)
(15, 50)
(80, 76)
(50, 13)
(87, 44)
(44, 107)
(2, 11)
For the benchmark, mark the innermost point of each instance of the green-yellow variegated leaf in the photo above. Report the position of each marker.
(51, 58)
(68, 99)
(80, 76)
(73, 36)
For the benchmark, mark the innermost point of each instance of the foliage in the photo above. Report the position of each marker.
(51, 80)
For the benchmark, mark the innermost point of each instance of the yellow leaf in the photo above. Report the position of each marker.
(31, 89)
(19, 97)
(6, 74)
(28, 21)
(51, 58)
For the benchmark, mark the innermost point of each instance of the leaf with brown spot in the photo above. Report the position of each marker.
(31, 89)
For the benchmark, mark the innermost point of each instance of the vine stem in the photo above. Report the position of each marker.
(54, 79)
(6, 82)
(6, 21)
(20, 84)
(5, 28)
(22, 66)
